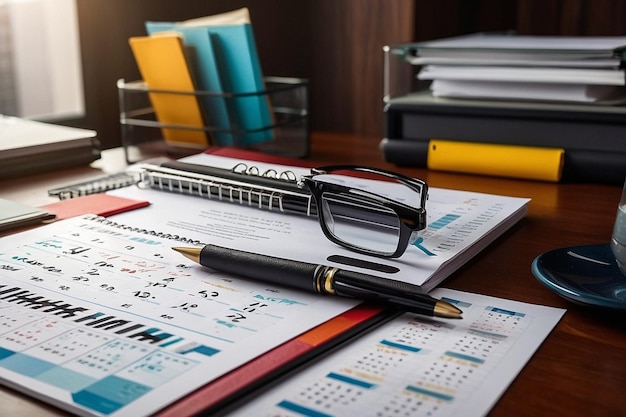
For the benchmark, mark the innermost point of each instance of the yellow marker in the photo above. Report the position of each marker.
(527, 162)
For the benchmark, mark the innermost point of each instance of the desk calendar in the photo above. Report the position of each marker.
(103, 320)
(418, 366)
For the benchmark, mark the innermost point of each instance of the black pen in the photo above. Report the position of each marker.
(320, 279)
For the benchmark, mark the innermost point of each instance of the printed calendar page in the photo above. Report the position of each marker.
(419, 366)
(107, 320)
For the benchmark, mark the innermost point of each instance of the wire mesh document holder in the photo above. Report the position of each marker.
(287, 127)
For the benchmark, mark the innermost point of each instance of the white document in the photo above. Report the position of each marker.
(511, 59)
(460, 224)
(578, 46)
(523, 74)
(22, 137)
(417, 366)
(578, 93)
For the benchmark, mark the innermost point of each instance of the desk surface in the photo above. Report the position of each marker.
(579, 369)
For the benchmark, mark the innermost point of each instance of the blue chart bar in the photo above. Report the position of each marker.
(504, 312)
(430, 393)
(349, 380)
(305, 411)
(467, 358)
(399, 346)
(457, 303)
(443, 221)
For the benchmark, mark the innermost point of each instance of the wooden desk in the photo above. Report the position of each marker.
(581, 367)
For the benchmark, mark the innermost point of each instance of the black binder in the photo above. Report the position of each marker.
(593, 136)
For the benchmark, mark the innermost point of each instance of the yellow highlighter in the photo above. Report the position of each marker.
(527, 162)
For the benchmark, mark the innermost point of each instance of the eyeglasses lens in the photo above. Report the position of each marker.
(361, 223)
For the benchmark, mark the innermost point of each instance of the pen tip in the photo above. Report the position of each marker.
(190, 253)
(447, 310)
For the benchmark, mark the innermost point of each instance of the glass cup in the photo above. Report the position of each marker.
(618, 240)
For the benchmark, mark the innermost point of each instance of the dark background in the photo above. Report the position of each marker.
(336, 44)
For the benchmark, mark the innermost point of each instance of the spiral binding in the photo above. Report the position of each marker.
(242, 168)
(110, 223)
(98, 185)
(280, 193)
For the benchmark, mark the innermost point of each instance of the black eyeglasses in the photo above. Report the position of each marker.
(375, 218)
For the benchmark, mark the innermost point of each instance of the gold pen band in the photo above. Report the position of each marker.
(324, 279)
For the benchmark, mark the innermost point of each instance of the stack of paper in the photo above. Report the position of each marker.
(216, 57)
(28, 147)
(575, 69)
(14, 214)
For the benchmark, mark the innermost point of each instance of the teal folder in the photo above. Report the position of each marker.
(227, 61)
(207, 76)
(238, 61)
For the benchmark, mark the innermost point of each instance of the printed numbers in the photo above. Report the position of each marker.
(206, 294)
(252, 307)
(76, 251)
(236, 317)
(156, 284)
(142, 294)
(80, 278)
(186, 306)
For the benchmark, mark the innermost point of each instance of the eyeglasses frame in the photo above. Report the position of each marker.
(412, 219)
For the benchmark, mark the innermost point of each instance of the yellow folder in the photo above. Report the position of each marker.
(527, 162)
(163, 65)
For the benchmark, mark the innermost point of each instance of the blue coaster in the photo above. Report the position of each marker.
(586, 275)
